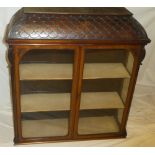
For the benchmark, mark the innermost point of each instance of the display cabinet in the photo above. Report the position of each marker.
(73, 72)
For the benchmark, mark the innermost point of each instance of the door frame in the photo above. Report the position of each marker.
(136, 52)
(18, 51)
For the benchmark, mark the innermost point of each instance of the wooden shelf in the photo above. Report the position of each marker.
(101, 100)
(44, 128)
(42, 71)
(105, 70)
(61, 101)
(45, 102)
(97, 125)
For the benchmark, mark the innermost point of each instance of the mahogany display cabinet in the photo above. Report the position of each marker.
(73, 72)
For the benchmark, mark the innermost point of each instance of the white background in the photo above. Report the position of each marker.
(146, 16)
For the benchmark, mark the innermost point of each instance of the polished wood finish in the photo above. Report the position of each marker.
(30, 50)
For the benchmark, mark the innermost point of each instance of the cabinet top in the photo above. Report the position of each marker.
(78, 10)
(114, 25)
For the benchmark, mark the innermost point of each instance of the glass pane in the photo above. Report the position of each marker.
(106, 78)
(45, 86)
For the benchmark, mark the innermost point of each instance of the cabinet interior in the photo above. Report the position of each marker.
(46, 87)
(46, 78)
(110, 72)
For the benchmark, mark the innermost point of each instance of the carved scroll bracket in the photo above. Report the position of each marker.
(138, 53)
(142, 55)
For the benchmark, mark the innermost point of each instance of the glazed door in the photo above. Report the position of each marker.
(103, 90)
(46, 91)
